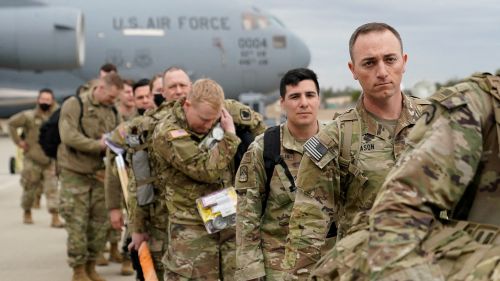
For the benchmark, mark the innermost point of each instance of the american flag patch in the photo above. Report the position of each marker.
(315, 148)
(178, 133)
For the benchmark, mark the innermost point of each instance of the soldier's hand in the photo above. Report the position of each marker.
(23, 145)
(102, 143)
(137, 239)
(226, 122)
(116, 218)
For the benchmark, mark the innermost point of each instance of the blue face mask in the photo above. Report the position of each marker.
(158, 99)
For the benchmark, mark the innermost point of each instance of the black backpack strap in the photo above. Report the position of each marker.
(272, 157)
(80, 102)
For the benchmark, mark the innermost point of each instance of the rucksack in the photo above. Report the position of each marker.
(272, 157)
(50, 138)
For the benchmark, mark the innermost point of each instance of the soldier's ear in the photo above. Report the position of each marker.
(405, 59)
(350, 64)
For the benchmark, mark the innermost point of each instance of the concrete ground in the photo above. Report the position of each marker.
(37, 251)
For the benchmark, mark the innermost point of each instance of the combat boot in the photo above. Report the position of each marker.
(27, 219)
(114, 254)
(91, 273)
(127, 268)
(101, 260)
(79, 274)
(56, 223)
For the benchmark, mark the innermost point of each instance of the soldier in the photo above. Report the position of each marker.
(39, 169)
(149, 221)
(106, 69)
(453, 164)
(176, 84)
(125, 105)
(156, 88)
(265, 200)
(193, 172)
(345, 164)
(83, 124)
(143, 100)
(126, 102)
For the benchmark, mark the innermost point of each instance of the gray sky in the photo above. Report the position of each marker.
(443, 38)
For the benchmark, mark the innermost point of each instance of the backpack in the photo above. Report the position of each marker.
(145, 173)
(272, 157)
(50, 138)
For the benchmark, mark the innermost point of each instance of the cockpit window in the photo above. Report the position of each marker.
(253, 21)
(277, 21)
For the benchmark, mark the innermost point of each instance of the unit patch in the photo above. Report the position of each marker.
(243, 174)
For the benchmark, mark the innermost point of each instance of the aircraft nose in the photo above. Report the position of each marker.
(301, 55)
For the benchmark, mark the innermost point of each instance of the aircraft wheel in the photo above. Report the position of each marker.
(12, 165)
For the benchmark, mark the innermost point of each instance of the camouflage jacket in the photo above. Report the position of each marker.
(81, 152)
(191, 172)
(155, 214)
(325, 195)
(30, 122)
(453, 155)
(261, 236)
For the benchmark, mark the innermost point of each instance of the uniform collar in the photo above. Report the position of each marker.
(409, 115)
(289, 142)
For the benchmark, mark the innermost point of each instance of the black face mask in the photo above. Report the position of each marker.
(159, 99)
(44, 106)
(141, 111)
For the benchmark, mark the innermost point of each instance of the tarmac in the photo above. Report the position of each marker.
(37, 251)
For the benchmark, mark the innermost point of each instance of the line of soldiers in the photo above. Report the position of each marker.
(397, 188)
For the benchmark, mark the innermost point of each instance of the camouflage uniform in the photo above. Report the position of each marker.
(331, 189)
(151, 218)
(38, 168)
(452, 163)
(191, 173)
(82, 175)
(114, 235)
(260, 237)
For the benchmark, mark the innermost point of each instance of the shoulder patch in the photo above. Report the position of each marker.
(243, 177)
(451, 97)
(315, 148)
(179, 133)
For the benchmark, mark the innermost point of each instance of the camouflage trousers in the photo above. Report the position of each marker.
(450, 254)
(36, 177)
(83, 208)
(158, 246)
(193, 254)
(113, 235)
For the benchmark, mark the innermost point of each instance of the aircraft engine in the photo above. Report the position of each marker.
(41, 38)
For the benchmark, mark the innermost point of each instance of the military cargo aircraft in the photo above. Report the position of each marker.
(60, 44)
